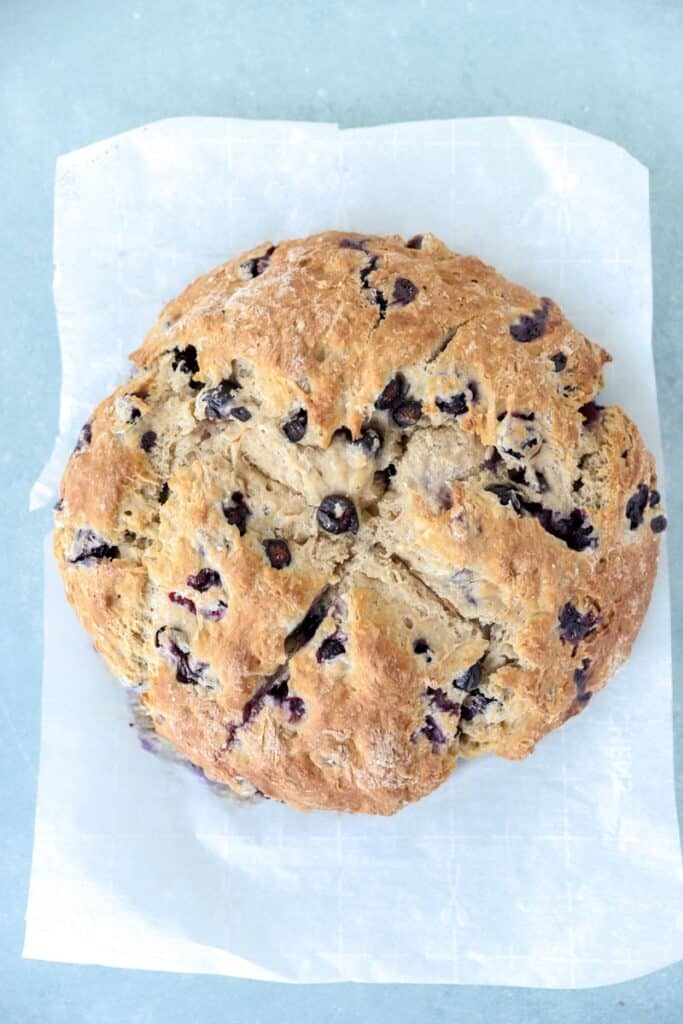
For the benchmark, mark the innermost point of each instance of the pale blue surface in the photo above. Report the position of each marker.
(74, 72)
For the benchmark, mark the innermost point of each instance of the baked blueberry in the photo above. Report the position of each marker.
(295, 428)
(237, 512)
(277, 552)
(337, 514)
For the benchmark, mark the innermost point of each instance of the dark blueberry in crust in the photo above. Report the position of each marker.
(404, 291)
(406, 414)
(477, 703)
(330, 648)
(217, 400)
(658, 524)
(344, 434)
(580, 677)
(575, 626)
(469, 679)
(84, 438)
(89, 546)
(383, 477)
(238, 512)
(59, 505)
(148, 440)
(574, 530)
(204, 580)
(353, 243)
(277, 553)
(185, 360)
(528, 416)
(308, 626)
(240, 413)
(415, 242)
(187, 670)
(257, 264)
(507, 496)
(296, 427)
(434, 733)
(542, 484)
(440, 699)
(337, 514)
(590, 413)
(531, 328)
(456, 405)
(654, 498)
(559, 361)
(134, 414)
(370, 441)
(636, 505)
(163, 493)
(421, 646)
(493, 461)
(184, 602)
(517, 475)
(392, 394)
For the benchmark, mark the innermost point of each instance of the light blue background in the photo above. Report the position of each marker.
(74, 72)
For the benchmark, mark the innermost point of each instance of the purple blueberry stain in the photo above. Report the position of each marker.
(295, 428)
(214, 612)
(275, 692)
(277, 552)
(337, 514)
(492, 461)
(531, 328)
(654, 498)
(434, 733)
(440, 700)
(476, 704)
(559, 361)
(237, 512)
(184, 602)
(89, 547)
(148, 440)
(173, 645)
(204, 580)
(636, 505)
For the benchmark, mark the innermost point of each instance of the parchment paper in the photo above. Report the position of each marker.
(562, 870)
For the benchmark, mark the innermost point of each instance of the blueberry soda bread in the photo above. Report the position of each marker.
(357, 514)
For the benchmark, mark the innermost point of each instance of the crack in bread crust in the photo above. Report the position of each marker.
(306, 419)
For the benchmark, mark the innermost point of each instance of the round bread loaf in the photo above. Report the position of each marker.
(356, 515)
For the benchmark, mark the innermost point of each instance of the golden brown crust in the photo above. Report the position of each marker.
(497, 552)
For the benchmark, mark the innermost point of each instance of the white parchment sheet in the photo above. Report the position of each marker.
(562, 870)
